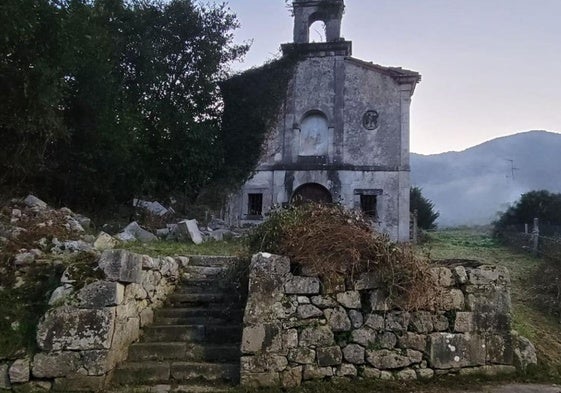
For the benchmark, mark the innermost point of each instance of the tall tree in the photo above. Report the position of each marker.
(426, 215)
(106, 99)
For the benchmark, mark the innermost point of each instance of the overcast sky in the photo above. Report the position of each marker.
(490, 67)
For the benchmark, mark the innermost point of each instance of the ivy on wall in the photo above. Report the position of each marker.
(252, 101)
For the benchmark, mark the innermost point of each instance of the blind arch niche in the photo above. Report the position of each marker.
(314, 135)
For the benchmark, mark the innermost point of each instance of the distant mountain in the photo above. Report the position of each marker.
(471, 186)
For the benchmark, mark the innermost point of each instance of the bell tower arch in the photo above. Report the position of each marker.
(306, 12)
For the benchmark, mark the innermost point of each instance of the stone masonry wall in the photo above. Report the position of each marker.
(293, 332)
(83, 338)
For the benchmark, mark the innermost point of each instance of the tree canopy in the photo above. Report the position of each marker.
(541, 204)
(103, 100)
(426, 215)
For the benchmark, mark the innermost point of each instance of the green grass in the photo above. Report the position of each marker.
(171, 248)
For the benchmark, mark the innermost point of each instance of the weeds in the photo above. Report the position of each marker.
(335, 244)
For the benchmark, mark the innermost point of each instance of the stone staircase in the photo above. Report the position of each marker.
(195, 338)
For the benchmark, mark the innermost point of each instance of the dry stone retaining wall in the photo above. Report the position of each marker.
(83, 339)
(293, 332)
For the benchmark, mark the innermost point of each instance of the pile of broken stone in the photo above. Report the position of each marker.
(24, 215)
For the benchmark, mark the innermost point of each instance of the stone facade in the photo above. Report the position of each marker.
(293, 332)
(342, 134)
(82, 339)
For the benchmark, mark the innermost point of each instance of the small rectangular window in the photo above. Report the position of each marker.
(368, 205)
(255, 204)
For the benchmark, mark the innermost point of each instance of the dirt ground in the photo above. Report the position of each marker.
(515, 388)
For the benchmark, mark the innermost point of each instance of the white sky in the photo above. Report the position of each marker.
(490, 67)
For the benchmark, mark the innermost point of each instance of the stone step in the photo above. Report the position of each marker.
(202, 272)
(195, 299)
(183, 351)
(186, 312)
(211, 261)
(202, 320)
(218, 334)
(207, 387)
(134, 373)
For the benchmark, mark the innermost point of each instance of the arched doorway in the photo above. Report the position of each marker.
(311, 192)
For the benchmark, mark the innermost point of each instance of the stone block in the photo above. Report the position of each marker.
(375, 321)
(33, 201)
(350, 299)
(169, 268)
(357, 319)
(56, 364)
(354, 354)
(19, 371)
(292, 377)
(440, 322)
(79, 383)
(260, 380)
(425, 373)
(135, 291)
(261, 338)
(68, 328)
(489, 370)
(101, 294)
(302, 355)
(320, 336)
(460, 275)
(414, 341)
(338, 319)
(329, 356)
(524, 353)
(306, 311)
(447, 350)
(312, 371)
(4, 377)
(415, 356)
(464, 323)
(386, 340)
(267, 274)
(397, 321)
(371, 373)
(452, 300)
(483, 275)
(302, 286)
(121, 265)
(421, 322)
(146, 317)
(60, 294)
(190, 227)
(100, 362)
(442, 276)
(386, 360)
(406, 375)
(264, 362)
(347, 370)
(105, 241)
(324, 301)
(127, 331)
(364, 336)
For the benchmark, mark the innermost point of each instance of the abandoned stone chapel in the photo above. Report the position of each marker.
(342, 134)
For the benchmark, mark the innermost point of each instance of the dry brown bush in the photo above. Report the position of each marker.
(336, 244)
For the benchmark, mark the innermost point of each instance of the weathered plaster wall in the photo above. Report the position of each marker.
(293, 332)
(81, 341)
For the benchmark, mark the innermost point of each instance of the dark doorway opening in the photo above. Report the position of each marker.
(311, 192)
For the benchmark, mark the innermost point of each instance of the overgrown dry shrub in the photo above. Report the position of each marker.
(334, 243)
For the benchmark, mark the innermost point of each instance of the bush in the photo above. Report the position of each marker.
(544, 205)
(336, 244)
